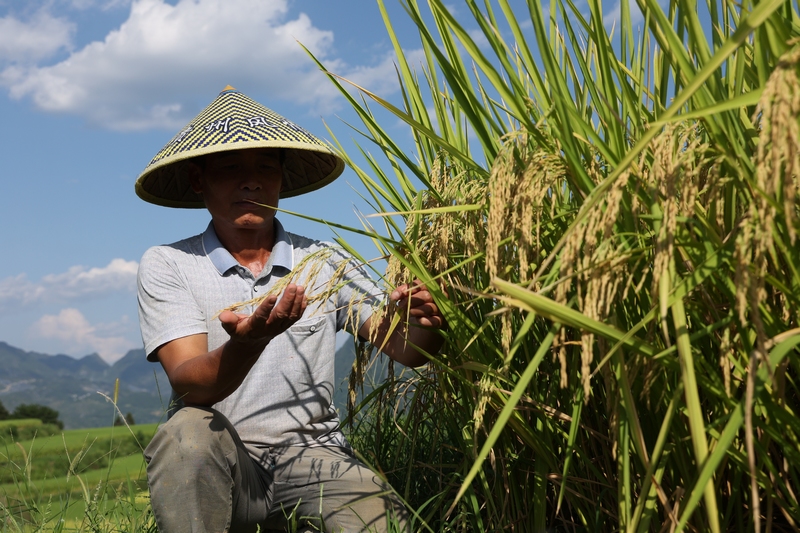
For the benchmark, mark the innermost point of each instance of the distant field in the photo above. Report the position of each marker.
(75, 439)
(21, 423)
(122, 470)
(49, 465)
(78, 480)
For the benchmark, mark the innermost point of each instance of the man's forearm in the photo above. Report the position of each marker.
(212, 377)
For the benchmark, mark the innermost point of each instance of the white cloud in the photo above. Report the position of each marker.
(146, 73)
(33, 40)
(381, 78)
(101, 4)
(77, 335)
(452, 9)
(611, 18)
(76, 283)
(480, 39)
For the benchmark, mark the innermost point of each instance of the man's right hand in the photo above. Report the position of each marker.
(205, 377)
(269, 320)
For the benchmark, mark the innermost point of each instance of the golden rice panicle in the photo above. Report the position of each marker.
(777, 166)
(453, 234)
(679, 164)
(778, 156)
(485, 389)
(356, 380)
(364, 349)
(305, 273)
(582, 240)
(444, 237)
(521, 179)
(441, 228)
(593, 260)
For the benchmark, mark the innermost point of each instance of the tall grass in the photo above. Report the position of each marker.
(611, 220)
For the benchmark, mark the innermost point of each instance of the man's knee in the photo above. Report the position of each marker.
(193, 438)
(189, 471)
(333, 491)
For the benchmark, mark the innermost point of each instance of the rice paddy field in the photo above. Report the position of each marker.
(76, 480)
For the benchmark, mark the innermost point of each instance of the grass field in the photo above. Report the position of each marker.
(21, 423)
(78, 480)
(76, 439)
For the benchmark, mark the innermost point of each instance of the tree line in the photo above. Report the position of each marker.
(32, 410)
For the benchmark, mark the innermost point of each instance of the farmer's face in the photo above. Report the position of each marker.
(234, 183)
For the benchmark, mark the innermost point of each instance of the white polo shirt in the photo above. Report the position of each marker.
(286, 399)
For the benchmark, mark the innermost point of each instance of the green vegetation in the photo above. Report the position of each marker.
(26, 429)
(28, 420)
(78, 480)
(22, 423)
(31, 410)
(612, 219)
(26, 412)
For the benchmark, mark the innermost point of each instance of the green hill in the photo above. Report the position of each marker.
(72, 386)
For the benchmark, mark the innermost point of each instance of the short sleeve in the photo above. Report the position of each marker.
(167, 308)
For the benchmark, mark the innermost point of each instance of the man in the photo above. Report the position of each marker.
(253, 438)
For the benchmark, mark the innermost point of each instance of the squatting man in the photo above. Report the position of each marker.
(252, 437)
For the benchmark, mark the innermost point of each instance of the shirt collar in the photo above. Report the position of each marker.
(282, 251)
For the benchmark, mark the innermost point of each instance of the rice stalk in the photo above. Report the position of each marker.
(306, 274)
(616, 211)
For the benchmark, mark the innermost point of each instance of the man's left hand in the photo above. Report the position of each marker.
(417, 302)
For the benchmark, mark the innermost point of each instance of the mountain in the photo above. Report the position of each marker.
(71, 386)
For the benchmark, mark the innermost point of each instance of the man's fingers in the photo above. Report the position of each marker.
(434, 321)
(291, 305)
(424, 309)
(407, 289)
(229, 321)
(299, 304)
(272, 317)
(264, 309)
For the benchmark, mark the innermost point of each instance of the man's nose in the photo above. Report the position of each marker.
(250, 184)
(251, 179)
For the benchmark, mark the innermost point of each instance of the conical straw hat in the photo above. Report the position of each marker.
(235, 122)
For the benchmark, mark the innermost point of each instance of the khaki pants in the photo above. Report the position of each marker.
(204, 479)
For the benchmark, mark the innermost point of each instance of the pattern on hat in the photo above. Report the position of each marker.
(233, 122)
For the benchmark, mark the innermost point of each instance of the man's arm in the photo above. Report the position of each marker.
(419, 330)
(204, 377)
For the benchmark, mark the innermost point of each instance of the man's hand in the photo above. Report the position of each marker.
(409, 344)
(417, 302)
(205, 377)
(269, 320)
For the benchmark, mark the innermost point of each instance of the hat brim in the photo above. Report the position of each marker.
(235, 122)
(306, 168)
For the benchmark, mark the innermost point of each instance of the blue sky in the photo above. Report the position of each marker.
(91, 89)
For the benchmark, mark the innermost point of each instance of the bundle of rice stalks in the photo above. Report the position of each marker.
(615, 221)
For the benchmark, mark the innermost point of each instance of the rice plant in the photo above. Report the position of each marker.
(608, 218)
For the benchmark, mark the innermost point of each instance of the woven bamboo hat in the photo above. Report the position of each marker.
(235, 122)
